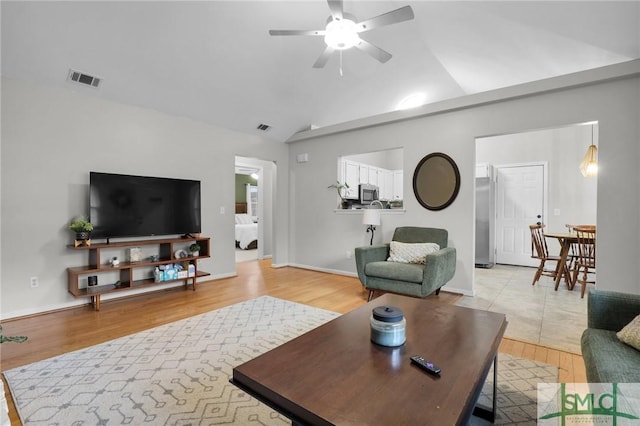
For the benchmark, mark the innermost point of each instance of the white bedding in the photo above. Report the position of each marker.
(246, 230)
(246, 233)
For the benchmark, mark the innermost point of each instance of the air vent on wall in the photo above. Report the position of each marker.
(263, 127)
(84, 79)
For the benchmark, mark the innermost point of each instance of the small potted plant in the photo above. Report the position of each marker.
(194, 249)
(82, 227)
(344, 204)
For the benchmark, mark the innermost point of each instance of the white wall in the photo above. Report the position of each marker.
(320, 237)
(52, 138)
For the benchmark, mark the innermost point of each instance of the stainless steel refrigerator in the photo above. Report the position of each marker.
(485, 217)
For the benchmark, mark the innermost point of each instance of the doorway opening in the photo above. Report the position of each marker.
(254, 189)
(532, 177)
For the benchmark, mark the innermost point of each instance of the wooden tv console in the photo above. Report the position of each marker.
(166, 255)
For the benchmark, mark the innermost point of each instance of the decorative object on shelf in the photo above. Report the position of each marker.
(589, 164)
(436, 181)
(194, 249)
(371, 217)
(82, 227)
(92, 280)
(134, 254)
(180, 254)
(114, 261)
(344, 204)
(154, 258)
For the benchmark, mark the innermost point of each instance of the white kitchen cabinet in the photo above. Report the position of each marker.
(398, 185)
(351, 178)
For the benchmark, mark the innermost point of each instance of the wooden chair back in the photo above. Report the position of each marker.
(586, 245)
(539, 249)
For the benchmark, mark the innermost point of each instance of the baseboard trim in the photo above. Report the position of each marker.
(464, 292)
(326, 270)
(85, 301)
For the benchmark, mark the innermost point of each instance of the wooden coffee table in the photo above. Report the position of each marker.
(334, 374)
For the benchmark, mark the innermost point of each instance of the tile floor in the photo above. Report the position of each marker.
(536, 314)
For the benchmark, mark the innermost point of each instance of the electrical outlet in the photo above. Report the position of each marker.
(348, 254)
(34, 282)
(221, 209)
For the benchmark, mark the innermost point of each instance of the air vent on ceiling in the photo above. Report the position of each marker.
(263, 127)
(84, 79)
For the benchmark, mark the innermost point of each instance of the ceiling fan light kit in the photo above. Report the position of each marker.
(343, 32)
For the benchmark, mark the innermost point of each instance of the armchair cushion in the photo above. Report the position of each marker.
(411, 252)
(410, 272)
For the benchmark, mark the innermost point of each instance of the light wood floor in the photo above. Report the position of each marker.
(55, 333)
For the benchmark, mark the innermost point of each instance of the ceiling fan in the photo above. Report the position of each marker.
(343, 31)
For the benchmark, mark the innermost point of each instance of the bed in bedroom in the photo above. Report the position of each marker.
(246, 229)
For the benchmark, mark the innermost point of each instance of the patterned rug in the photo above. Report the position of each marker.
(175, 374)
(518, 380)
(178, 374)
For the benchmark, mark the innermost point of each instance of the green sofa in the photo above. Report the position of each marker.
(376, 273)
(607, 359)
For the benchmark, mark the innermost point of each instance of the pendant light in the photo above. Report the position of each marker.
(589, 164)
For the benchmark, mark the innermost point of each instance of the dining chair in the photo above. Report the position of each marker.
(539, 250)
(586, 262)
(572, 256)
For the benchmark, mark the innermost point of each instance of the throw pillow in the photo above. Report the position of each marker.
(411, 252)
(630, 334)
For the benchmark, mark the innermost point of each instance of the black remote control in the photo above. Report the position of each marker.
(427, 366)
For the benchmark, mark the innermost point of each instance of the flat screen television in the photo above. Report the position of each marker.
(139, 206)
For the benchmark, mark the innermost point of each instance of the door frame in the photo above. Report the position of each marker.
(545, 196)
(259, 164)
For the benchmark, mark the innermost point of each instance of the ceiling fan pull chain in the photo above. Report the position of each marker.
(341, 63)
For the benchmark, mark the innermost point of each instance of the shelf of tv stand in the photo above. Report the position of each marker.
(96, 265)
(111, 288)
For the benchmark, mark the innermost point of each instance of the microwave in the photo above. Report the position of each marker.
(367, 193)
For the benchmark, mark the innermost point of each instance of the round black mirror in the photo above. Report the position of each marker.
(436, 181)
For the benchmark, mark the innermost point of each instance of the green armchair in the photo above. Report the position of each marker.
(413, 279)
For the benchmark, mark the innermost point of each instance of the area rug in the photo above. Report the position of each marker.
(518, 380)
(178, 374)
(175, 374)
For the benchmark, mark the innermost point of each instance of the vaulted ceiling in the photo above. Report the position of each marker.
(214, 61)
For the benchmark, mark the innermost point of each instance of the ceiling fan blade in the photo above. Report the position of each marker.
(336, 8)
(297, 32)
(324, 57)
(375, 51)
(393, 17)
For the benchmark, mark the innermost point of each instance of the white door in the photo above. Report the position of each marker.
(520, 195)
